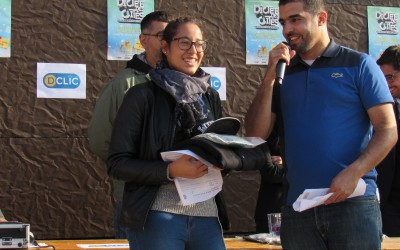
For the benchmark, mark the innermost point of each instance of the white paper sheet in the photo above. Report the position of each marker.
(314, 197)
(195, 190)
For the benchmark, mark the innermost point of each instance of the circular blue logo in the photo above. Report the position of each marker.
(215, 83)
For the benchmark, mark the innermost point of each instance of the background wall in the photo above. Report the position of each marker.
(48, 176)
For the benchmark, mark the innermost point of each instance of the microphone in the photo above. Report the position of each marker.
(280, 68)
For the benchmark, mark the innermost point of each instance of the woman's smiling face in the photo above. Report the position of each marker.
(185, 60)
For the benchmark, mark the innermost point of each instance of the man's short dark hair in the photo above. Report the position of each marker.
(391, 56)
(158, 16)
(311, 6)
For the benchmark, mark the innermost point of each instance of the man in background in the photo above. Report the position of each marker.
(272, 191)
(100, 126)
(337, 124)
(389, 168)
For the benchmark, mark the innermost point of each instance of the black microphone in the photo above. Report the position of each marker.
(280, 68)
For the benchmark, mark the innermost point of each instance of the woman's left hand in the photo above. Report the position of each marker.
(187, 167)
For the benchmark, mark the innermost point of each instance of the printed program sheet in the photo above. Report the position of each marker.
(195, 190)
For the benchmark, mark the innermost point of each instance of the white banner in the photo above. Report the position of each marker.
(218, 80)
(61, 80)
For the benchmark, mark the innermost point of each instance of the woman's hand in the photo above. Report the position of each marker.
(276, 159)
(187, 167)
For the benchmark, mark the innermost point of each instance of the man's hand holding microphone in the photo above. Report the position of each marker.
(279, 57)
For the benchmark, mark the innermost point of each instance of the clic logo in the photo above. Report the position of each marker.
(61, 81)
(215, 83)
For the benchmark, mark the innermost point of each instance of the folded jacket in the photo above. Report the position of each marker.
(227, 157)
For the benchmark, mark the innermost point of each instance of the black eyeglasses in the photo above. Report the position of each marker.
(390, 78)
(159, 35)
(185, 43)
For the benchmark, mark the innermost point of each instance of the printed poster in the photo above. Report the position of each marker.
(383, 29)
(5, 28)
(218, 80)
(263, 30)
(124, 17)
(61, 80)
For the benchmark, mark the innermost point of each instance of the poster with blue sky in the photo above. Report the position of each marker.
(124, 17)
(263, 30)
(5, 28)
(383, 29)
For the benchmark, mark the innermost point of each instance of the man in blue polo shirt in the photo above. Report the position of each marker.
(331, 100)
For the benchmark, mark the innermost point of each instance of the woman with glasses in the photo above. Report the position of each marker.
(176, 104)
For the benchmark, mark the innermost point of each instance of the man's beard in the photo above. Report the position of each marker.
(302, 47)
(299, 48)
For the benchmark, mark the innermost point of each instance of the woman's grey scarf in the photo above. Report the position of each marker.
(186, 90)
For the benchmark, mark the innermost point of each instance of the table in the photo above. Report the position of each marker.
(231, 244)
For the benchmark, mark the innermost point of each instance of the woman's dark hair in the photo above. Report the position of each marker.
(173, 26)
(390, 56)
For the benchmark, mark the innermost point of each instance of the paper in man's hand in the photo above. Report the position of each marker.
(314, 197)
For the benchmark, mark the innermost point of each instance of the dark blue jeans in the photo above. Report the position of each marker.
(353, 224)
(119, 231)
(167, 231)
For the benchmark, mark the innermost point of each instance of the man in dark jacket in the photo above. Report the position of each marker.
(272, 191)
(100, 127)
(389, 168)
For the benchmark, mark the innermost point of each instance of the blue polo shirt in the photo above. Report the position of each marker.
(326, 124)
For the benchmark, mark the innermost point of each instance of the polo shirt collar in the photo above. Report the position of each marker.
(331, 51)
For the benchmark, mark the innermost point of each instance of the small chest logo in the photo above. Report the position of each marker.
(337, 75)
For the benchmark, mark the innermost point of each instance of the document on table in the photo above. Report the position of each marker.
(314, 197)
(195, 190)
(105, 246)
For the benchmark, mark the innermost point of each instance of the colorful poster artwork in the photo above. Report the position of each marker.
(5, 28)
(124, 17)
(263, 30)
(383, 29)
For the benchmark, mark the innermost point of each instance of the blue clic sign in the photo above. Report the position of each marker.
(215, 83)
(61, 81)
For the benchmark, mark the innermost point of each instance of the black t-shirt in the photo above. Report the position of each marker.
(186, 130)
